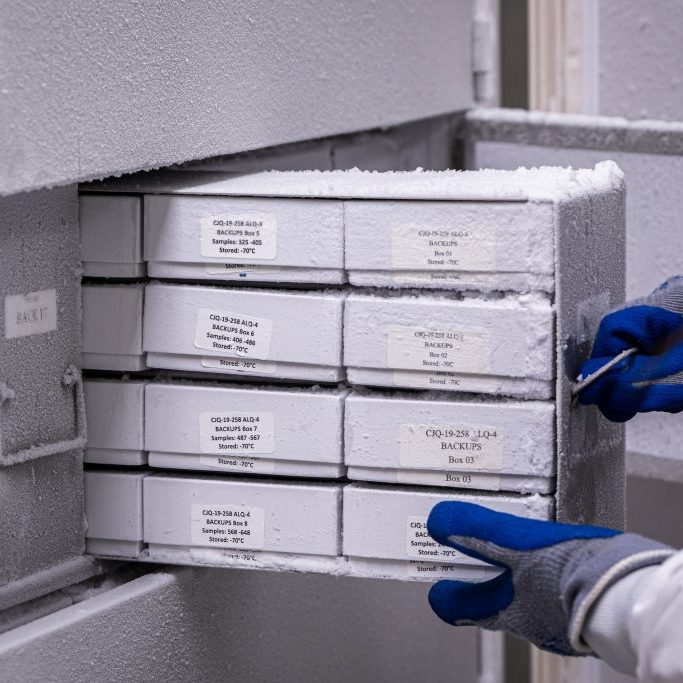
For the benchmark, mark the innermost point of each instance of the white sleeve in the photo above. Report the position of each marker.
(637, 625)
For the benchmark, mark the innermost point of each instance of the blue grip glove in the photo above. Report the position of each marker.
(651, 379)
(552, 573)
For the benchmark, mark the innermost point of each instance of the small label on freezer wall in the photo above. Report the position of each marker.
(239, 236)
(231, 526)
(461, 447)
(239, 271)
(32, 313)
(438, 350)
(420, 545)
(419, 247)
(234, 334)
(236, 433)
(239, 365)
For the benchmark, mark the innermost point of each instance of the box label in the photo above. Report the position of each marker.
(247, 367)
(416, 247)
(420, 545)
(461, 447)
(438, 350)
(232, 463)
(459, 480)
(236, 433)
(432, 570)
(233, 334)
(239, 271)
(232, 526)
(239, 236)
(32, 313)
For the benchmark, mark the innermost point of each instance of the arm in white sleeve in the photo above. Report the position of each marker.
(636, 626)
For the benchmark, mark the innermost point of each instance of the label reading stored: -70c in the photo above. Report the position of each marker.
(227, 526)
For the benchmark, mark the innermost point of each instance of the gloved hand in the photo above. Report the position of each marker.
(552, 573)
(651, 379)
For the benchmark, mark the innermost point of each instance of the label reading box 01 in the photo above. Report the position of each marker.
(247, 367)
(451, 447)
(232, 526)
(416, 247)
(28, 314)
(233, 333)
(420, 545)
(243, 236)
(236, 433)
(420, 348)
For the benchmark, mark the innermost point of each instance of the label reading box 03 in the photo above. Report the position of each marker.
(237, 434)
(420, 545)
(233, 333)
(451, 447)
(416, 247)
(243, 236)
(420, 348)
(232, 526)
(28, 314)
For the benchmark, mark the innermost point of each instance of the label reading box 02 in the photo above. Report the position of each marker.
(243, 236)
(451, 447)
(420, 348)
(232, 526)
(247, 367)
(420, 545)
(416, 247)
(28, 314)
(233, 333)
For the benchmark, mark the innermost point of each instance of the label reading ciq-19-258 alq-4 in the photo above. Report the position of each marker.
(240, 237)
(233, 334)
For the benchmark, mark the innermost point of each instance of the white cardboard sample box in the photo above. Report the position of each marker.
(451, 342)
(115, 412)
(450, 245)
(111, 235)
(112, 327)
(248, 332)
(385, 531)
(244, 239)
(245, 429)
(438, 440)
(113, 512)
(242, 522)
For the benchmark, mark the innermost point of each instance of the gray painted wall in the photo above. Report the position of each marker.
(110, 87)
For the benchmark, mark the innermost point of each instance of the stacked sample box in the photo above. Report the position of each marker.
(473, 297)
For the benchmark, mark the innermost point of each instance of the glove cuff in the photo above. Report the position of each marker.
(587, 600)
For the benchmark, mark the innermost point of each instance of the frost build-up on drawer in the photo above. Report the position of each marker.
(115, 417)
(450, 245)
(112, 327)
(113, 512)
(257, 333)
(497, 345)
(242, 522)
(434, 440)
(111, 235)
(385, 531)
(241, 238)
(247, 429)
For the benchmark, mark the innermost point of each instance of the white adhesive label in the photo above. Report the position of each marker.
(438, 350)
(460, 480)
(416, 247)
(232, 526)
(28, 314)
(242, 236)
(419, 544)
(247, 367)
(234, 334)
(451, 447)
(443, 276)
(231, 463)
(432, 570)
(236, 433)
(239, 271)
